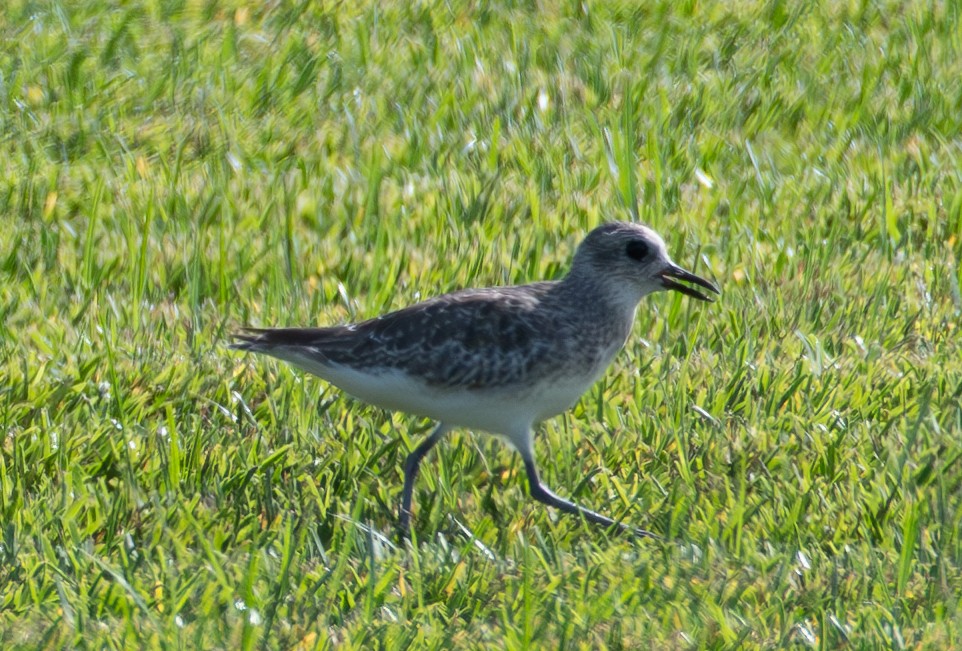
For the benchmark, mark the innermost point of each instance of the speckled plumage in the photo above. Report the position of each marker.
(473, 339)
(497, 359)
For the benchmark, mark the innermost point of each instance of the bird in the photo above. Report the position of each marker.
(498, 360)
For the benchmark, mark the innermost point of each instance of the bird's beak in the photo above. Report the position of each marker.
(674, 271)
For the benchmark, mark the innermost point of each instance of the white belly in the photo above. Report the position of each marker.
(509, 411)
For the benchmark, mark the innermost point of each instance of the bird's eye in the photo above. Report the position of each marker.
(636, 250)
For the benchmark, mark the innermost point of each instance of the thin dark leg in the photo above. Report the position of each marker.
(544, 495)
(411, 472)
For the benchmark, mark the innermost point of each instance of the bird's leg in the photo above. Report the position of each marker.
(411, 472)
(543, 494)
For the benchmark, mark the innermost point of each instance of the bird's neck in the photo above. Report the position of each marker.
(604, 301)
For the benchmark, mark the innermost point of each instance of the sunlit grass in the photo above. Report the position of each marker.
(172, 170)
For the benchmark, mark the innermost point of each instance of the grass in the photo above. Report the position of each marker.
(173, 169)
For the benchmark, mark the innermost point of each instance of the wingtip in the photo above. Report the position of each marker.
(245, 338)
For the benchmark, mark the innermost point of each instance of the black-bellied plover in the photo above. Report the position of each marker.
(499, 360)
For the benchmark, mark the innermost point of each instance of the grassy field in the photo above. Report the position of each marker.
(173, 169)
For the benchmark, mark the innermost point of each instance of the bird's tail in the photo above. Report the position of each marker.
(250, 339)
(264, 339)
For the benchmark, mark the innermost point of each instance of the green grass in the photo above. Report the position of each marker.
(172, 169)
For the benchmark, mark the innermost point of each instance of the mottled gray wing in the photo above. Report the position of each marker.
(476, 338)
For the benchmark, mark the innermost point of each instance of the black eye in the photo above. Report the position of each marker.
(636, 250)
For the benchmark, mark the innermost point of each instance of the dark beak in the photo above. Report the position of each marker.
(668, 276)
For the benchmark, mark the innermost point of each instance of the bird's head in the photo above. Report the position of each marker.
(631, 261)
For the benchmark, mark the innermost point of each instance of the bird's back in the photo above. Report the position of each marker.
(472, 339)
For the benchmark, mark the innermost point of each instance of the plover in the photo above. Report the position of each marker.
(498, 360)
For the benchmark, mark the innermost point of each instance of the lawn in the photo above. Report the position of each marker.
(171, 170)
